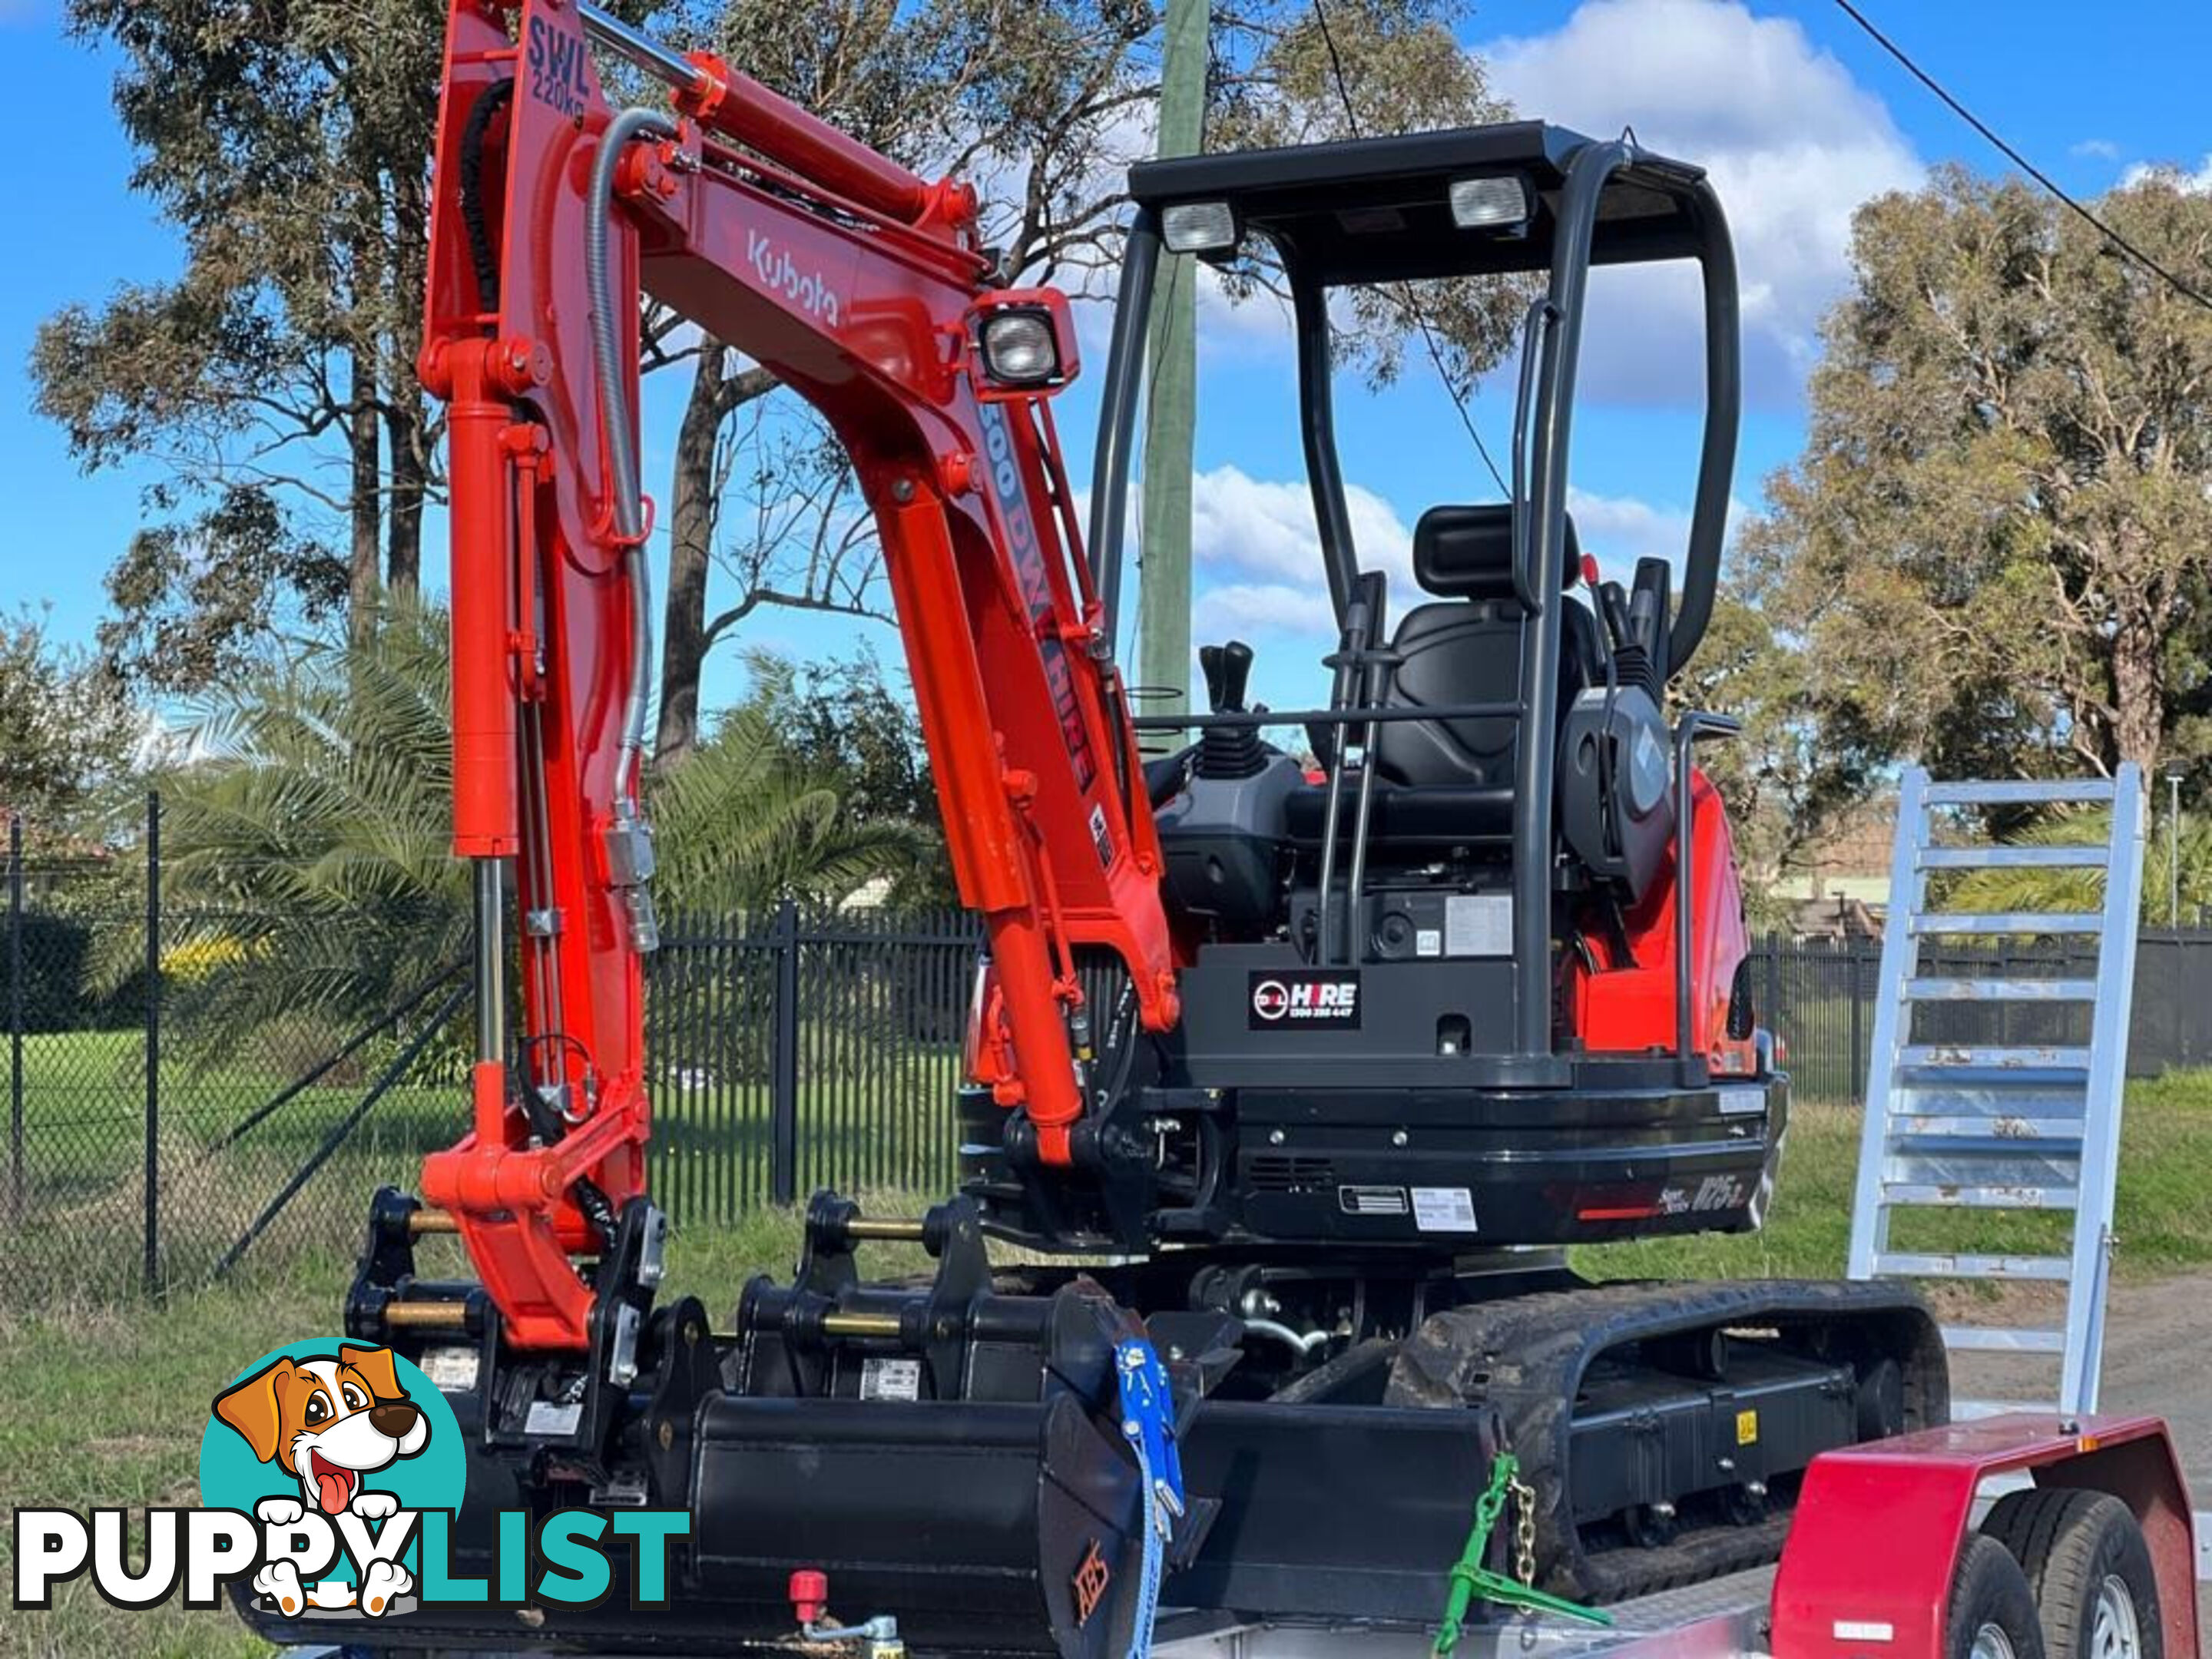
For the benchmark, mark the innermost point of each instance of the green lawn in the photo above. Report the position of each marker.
(2164, 1224)
(106, 1402)
(867, 1117)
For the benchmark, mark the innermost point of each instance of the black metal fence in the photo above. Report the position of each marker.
(789, 1050)
(1819, 995)
(801, 1049)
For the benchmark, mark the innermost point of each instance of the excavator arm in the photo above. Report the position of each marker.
(863, 288)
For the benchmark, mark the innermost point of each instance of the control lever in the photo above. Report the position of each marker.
(1613, 604)
(1235, 674)
(1228, 670)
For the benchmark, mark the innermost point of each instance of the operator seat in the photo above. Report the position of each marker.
(1450, 782)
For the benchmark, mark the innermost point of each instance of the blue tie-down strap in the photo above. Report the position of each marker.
(1148, 1425)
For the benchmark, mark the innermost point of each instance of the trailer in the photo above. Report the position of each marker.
(2006, 1538)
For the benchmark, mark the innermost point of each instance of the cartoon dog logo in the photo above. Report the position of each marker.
(328, 1422)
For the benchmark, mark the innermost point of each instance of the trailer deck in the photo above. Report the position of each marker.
(1724, 1616)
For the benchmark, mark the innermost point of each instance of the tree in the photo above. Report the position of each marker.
(1043, 106)
(311, 832)
(273, 379)
(2013, 891)
(843, 722)
(1787, 778)
(67, 724)
(1995, 550)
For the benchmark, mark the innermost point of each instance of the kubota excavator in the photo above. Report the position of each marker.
(1297, 1089)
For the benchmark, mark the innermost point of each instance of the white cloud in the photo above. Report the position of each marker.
(1621, 529)
(2095, 149)
(2198, 183)
(1794, 146)
(1240, 610)
(1247, 527)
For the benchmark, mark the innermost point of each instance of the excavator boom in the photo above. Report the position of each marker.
(862, 287)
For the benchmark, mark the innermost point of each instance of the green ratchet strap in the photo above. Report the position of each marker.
(1470, 1578)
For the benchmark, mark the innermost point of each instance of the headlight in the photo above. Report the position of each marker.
(1489, 204)
(1023, 344)
(1019, 347)
(1198, 227)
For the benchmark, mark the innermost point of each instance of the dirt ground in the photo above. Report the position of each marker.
(2158, 1358)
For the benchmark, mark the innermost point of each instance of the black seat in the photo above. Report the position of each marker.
(1444, 781)
(1465, 648)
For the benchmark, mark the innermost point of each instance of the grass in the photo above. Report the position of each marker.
(876, 1118)
(2165, 1226)
(106, 1403)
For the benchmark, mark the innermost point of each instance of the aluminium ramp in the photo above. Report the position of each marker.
(1983, 1124)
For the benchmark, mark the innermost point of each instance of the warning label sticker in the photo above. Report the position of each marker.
(1444, 1210)
(884, 1378)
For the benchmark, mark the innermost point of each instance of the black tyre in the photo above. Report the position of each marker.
(1992, 1613)
(2089, 1569)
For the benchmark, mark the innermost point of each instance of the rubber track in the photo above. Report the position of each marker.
(1526, 1357)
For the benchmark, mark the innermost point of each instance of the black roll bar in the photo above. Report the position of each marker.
(1723, 414)
(1117, 413)
(1317, 429)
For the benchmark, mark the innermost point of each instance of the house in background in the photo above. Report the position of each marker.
(1838, 886)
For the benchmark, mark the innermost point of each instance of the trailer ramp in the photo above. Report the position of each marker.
(2002, 1117)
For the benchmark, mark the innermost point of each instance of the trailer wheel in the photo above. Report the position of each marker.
(2090, 1570)
(1992, 1613)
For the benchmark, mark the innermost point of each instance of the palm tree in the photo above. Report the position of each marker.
(741, 824)
(306, 868)
(2074, 888)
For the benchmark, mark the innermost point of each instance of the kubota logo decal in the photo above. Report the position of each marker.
(807, 289)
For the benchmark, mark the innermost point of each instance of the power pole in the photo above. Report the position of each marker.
(1171, 410)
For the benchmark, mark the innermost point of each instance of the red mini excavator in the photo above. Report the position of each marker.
(1299, 1087)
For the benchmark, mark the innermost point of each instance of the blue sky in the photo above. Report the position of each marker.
(1799, 117)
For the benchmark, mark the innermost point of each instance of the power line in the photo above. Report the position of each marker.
(1420, 319)
(2186, 290)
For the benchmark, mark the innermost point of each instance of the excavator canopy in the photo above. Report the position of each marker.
(1475, 202)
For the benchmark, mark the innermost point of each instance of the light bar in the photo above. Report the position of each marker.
(1198, 227)
(1489, 204)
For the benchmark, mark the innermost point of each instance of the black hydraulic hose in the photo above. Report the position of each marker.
(482, 254)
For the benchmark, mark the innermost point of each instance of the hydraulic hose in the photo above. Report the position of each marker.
(482, 254)
(621, 451)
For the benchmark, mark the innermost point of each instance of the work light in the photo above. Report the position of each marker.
(1489, 204)
(1023, 342)
(1198, 227)
(1019, 348)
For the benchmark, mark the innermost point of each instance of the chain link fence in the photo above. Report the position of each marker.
(149, 1148)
